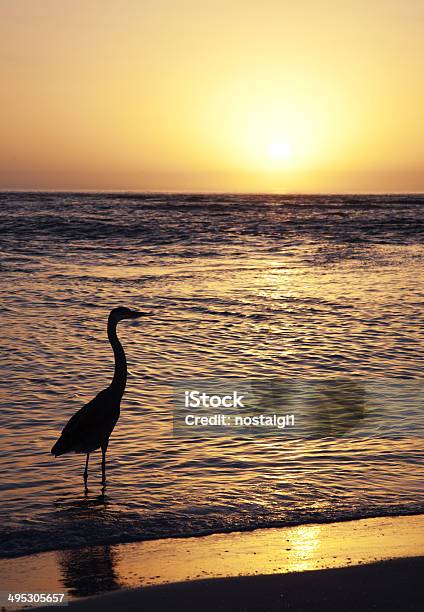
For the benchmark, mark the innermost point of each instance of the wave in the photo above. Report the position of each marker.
(84, 528)
(170, 219)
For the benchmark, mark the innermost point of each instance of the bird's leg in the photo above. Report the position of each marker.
(104, 449)
(86, 470)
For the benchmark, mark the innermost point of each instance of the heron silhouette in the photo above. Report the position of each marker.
(89, 429)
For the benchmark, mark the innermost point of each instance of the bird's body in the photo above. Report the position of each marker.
(89, 429)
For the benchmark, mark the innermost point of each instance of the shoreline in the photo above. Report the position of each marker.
(156, 564)
(240, 529)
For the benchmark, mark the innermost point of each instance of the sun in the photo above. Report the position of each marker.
(279, 151)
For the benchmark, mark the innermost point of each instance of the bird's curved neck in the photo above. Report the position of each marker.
(120, 376)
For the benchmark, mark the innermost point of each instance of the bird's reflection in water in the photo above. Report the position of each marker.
(88, 571)
(84, 504)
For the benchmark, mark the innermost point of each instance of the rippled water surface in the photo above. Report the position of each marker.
(257, 287)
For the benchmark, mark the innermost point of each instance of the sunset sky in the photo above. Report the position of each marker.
(222, 95)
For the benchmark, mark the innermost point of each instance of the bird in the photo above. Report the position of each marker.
(89, 429)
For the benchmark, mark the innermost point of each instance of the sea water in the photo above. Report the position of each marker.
(251, 287)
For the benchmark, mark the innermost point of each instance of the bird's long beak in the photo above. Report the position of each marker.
(135, 314)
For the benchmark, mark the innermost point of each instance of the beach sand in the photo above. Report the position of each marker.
(334, 566)
(387, 586)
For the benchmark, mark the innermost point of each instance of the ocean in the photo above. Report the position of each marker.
(248, 287)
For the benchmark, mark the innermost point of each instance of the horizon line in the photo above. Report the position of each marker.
(205, 192)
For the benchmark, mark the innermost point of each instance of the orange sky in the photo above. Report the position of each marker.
(235, 95)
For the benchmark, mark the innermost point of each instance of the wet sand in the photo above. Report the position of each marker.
(386, 586)
(259, 570)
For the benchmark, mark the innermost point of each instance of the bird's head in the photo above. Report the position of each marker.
(120, 313)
